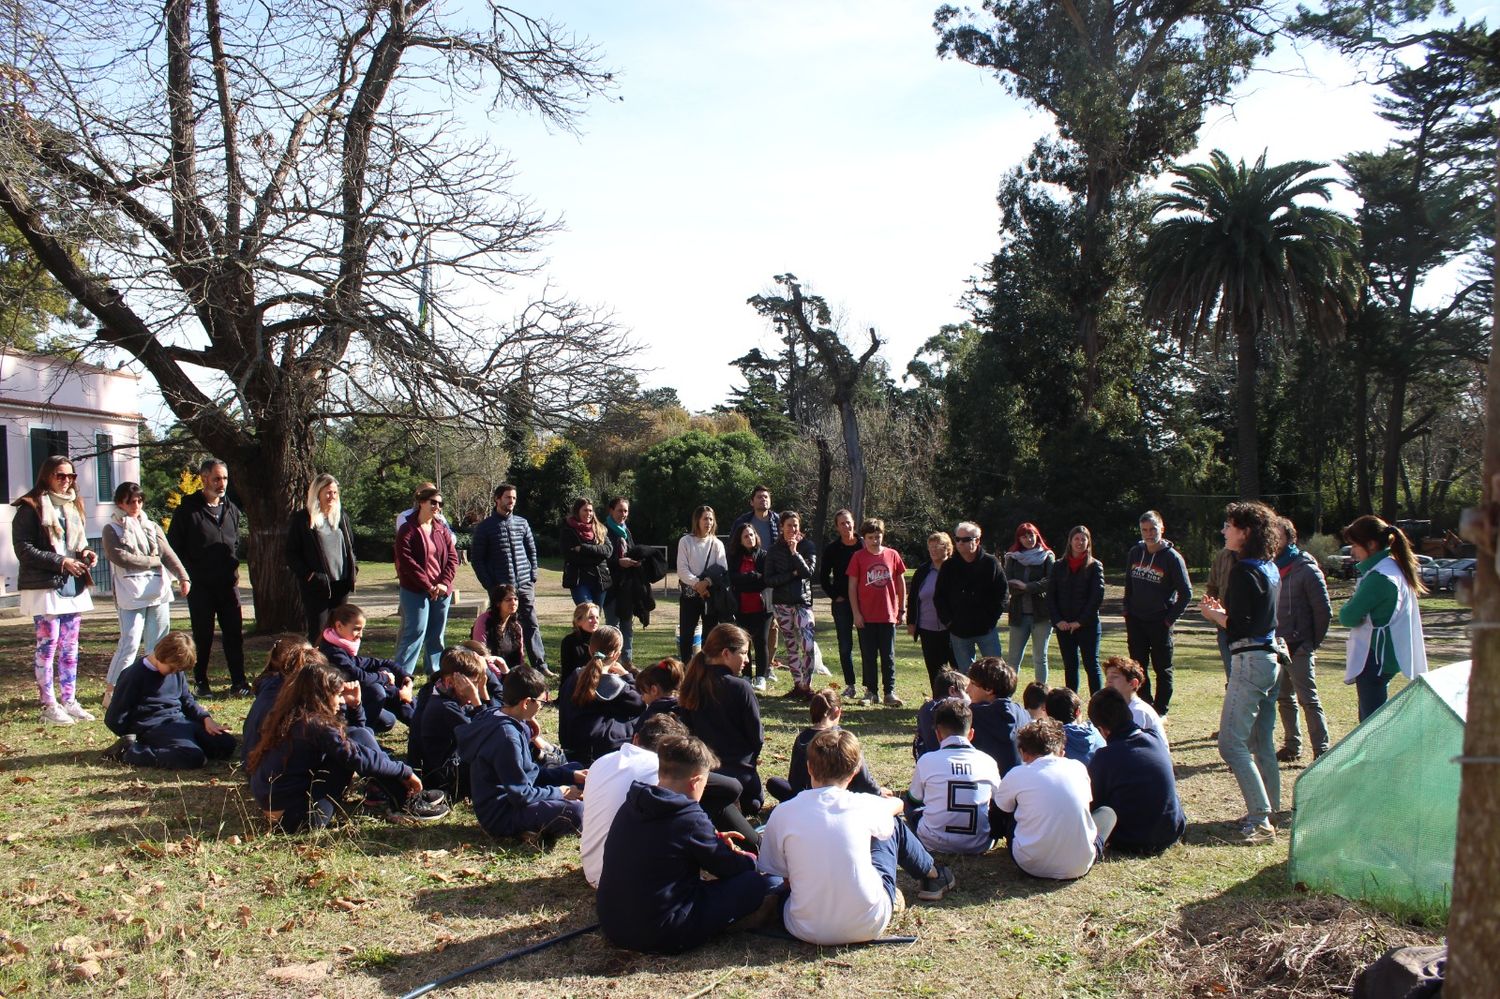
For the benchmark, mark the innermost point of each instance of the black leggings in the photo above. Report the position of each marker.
(721, 800)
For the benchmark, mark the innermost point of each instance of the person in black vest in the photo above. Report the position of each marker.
(320, 553)
(205, 533)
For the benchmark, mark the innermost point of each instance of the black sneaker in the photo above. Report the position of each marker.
(935, 888)
(242, 691)
(428, 806)
(116, 753)
(203, 691)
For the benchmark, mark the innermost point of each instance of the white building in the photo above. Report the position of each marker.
(51, 405)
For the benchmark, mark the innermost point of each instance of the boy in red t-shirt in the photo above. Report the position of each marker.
(877, 594)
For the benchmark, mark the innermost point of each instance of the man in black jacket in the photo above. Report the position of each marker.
(504, 551)
(970, 597)
(205, 533)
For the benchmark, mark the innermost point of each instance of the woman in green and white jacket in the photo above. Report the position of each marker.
(1383, 613)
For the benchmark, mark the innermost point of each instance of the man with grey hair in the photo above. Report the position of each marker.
(970, 596)
(1303, 612)
(205, 533)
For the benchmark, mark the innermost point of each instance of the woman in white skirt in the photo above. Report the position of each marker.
(137, 548)
(53, 551)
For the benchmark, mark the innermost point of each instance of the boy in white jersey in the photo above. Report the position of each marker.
(1055, 834)
(1127, 676)
(954, 786)
(612, 775)
(839, 851)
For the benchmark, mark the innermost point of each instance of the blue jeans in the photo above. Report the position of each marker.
(964, 653)
(154, 622)
(424, 626)
(1371, 687)
(588, 593)
(1084, 642)
(1039, 630)
(1247, 728)
(843, 626)
(901, 849)
(626, 626)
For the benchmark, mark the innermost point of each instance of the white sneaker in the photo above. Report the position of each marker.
(53, 714)
(822, 670)
(759, 683)
(850, 693)
(870, 698)
(78, 711)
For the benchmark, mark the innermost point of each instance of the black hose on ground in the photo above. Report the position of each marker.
(433, 986)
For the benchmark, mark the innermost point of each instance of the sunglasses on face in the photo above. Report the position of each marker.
(65, 476)
(436, 503)
(968, 541)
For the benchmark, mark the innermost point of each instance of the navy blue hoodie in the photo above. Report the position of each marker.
(286, 773)
(589, 731)
(145, 699)
(441, 765)
(373, 690)
(995, 726)
(1157, 587)
(503, 778)
(659, 843)
(265, 697)
(1132, 773)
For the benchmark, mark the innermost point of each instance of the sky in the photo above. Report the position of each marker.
(826, 140)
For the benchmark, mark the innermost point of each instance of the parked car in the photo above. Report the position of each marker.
(1340, 565)
(1447, 573)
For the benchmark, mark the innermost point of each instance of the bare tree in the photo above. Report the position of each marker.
(799, 317)
(245, 199)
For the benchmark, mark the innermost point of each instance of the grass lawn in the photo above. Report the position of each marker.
(124, 883)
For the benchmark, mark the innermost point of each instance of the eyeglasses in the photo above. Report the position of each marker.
(436, 503)
(967, 540)
(65, 476)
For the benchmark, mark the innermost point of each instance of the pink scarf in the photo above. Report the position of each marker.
(338, 641)
(585, 530)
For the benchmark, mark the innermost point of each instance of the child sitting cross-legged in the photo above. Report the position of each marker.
(512, 795)
(1132, 774)
(597, 706)
(1053, 834)
(839, 851)
(460, 692)
(288, 654)
(952, 788)
(311, 746)
(826, 710)
(159, 722)
(385, 692)
(953, 684)
(652, 895)
(1083, 740)
(609, 780)
(997, 718)
(1127, 676)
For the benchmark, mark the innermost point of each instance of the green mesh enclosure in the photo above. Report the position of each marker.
(1376, 817)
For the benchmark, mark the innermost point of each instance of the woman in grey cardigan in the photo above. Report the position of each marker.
(136, 547)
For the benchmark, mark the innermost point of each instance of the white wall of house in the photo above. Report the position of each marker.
(51, 405)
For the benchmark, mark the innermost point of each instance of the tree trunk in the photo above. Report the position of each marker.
(1474, 922)
(1090, 290)
(268, 480)
(1390, 474)
(1249, 441)
(825, 487)
(856, 453)
(1362, 439)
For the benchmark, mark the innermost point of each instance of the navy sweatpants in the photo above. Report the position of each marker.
(179, 745)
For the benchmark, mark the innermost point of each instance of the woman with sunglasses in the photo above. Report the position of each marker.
(136, 547)
(426, 562)
(52, 548)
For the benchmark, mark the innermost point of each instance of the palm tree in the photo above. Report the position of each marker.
(1238, 254)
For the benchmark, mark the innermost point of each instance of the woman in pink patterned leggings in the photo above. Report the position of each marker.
(790, 566)
(52, 547)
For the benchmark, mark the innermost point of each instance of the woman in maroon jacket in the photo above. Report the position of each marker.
(426, 561)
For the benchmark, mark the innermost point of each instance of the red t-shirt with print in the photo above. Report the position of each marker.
(876, 576)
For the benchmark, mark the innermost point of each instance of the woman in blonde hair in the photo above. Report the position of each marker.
(1387, 624)
(53, 551)
(320, 553)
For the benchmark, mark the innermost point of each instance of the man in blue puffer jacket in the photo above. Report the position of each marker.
(503, 550)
